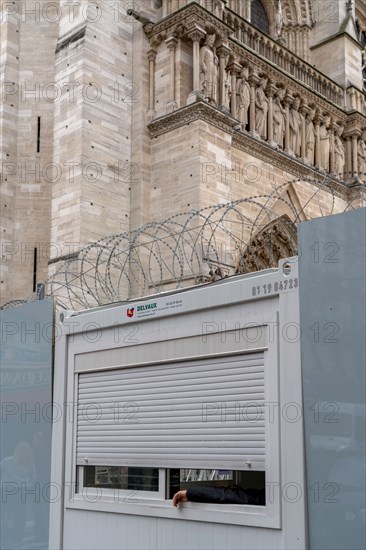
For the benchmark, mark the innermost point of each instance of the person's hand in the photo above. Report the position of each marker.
(180, 497)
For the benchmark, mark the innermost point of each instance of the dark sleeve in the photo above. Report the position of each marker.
(226, 495)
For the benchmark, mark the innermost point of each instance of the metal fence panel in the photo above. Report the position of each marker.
(332, 312)
(26, 421)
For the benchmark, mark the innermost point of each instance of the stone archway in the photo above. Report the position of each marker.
(275, 241)
(296, 23)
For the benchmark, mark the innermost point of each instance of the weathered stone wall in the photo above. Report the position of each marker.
(93, 128)
(27, 47)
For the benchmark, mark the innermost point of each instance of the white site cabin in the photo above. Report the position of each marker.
(202, 379)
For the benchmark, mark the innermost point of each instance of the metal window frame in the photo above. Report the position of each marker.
(122, 494)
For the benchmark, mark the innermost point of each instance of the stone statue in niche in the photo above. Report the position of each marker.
(218, 8)
(279, 114)
(310, 136)
(244, 98)
(278, 20)
(339, 153)
(295, 127)
(209, 69)
(325, 144)
(261, 109)
(361, 156)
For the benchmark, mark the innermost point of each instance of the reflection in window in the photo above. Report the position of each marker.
(180, 479)
(259, 17)
(122, 477)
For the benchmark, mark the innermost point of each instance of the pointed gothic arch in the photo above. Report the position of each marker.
(297, 12)
(297, 20)
(277, 240)
(294, 12)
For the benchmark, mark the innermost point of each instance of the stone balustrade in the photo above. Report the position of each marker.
(356, 100)
(276, 53)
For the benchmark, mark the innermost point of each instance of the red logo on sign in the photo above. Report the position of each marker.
(130, 312)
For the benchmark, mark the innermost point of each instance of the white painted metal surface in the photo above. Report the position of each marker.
(173, 412)
(253, 314)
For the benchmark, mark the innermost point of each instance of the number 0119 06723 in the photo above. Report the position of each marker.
(274, 288)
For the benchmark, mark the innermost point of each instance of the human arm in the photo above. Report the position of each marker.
(220, 495)
(179, 498)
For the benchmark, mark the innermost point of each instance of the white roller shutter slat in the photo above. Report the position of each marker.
(198, 414)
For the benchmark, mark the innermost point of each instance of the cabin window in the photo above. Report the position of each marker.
(122, 478)
(148, 483)
(183, 478)
(161, 428)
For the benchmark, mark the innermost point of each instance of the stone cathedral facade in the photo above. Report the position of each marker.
(117, 113)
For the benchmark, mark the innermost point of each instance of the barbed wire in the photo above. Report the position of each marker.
(193, 247)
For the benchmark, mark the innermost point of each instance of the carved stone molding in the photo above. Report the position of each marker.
(189, 17)
(357, 194)
(275, 241)
(245, 142)
(277, 74)
(197, 111)
(75, 35)
(355, 123)
(279, 159)
(196, 33)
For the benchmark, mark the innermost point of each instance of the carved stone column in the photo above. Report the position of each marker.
(171, 43)
(257, 42)
(301, 45)
(362, 157)
(291, 39)
(166, 9)
(234, 68)
(332, 151)
(287, 102)
(304, 110)
(317, 121)
(351, 94)
(271, 90)
(196, 34)
(253, 82)
(306, 45)
(356, 134)
(151, 55)
(223, 52)
(247, 9)
(297, 40)
(349, 157)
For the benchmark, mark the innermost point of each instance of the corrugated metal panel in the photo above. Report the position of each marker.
(194, 414)
(101, 530)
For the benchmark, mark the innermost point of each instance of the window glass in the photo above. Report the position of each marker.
(180, 479)
(122, 477)
(335, 424)
(259, 16)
